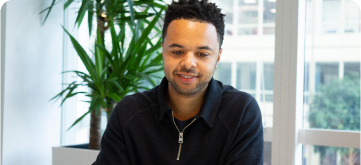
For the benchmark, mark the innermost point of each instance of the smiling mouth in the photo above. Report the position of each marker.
(187, 76)
(186, 79)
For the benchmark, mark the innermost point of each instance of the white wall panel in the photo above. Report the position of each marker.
(33, 63)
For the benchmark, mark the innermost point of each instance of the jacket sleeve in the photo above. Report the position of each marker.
(113, 149)
(247, 148)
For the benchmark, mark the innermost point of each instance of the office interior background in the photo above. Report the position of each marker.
(270, 47)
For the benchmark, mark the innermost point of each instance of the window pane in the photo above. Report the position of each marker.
(222, 73)
(246, 76)
(351, 17)
(247, 31)
(269, 11)
(352, 70)
(248, 11)
(332, 65)
(268, 76)
(316, 155)
(325, 73)
(248, 53)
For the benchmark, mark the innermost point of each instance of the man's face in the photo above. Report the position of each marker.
(190, 55)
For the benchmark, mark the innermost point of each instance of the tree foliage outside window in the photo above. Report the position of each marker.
(337, 106)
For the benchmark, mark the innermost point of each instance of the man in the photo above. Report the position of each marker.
(190, 118)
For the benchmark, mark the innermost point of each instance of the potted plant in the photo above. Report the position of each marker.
(123, 69)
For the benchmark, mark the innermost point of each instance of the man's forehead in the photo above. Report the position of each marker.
(187, 29)
(192, 23)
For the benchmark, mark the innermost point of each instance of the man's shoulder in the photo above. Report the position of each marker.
(234, 101)
(229, 93)
(238, 106)
(137, 102)
(140, 98)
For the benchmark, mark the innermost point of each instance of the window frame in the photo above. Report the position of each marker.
(2, 70)
(288, 134)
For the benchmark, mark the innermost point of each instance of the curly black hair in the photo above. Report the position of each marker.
(195, 10)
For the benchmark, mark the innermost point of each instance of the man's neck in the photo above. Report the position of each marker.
(184, 106)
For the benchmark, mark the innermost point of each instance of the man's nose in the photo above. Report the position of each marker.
(189, 60)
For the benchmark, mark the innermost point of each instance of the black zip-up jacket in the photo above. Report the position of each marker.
(227, 130)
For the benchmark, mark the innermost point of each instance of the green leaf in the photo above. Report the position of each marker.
(116, 83)
(69, 95)
(157, 59)
(140, 55)
(129, 76)
(122, 37)
(79, 119)
(62, 92)
(124, 66)
(81, 12)
(83, 55)
(114, 96)
(107, 55)
(147, 78)
(67, 3)
(136, 29)
(154, 48)
(115, 43)
(98, 55)
(49, 9)
(149, 66)
(154, 71)
(131, 10)
(146, 32)
(137, 17)
(96, 103)
(90, 21)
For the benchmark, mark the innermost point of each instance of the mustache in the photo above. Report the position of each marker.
(184, 69)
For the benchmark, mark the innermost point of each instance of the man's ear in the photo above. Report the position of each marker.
(219, 56)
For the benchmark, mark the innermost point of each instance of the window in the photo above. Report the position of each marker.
(246, 77)
(248, 54)
(287, 67)
(222, 73)
(331, 81)
(325, 73)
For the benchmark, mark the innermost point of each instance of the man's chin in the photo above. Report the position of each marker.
(187, 89)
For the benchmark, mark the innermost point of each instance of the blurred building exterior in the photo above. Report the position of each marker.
(332, 50)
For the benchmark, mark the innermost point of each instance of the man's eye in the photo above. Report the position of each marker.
(177, 52)
(202, 54)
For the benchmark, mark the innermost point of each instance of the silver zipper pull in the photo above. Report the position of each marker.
(180, 137)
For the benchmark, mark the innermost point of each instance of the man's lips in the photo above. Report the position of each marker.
(186, 78)
(187, 75)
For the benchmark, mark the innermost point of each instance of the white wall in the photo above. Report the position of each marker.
(33, 63)
(2, 66)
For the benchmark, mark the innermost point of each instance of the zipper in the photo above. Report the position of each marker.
(180, 139)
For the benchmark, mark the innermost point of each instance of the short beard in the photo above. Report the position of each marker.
(188, 92)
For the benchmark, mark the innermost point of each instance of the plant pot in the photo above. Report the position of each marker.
(74, 155)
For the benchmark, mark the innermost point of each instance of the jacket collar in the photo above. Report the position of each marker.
(209, 108)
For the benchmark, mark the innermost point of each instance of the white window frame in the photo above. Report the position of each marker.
(2, 70)
(288, 134)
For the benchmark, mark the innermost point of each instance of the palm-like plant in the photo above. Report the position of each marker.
(122, 70)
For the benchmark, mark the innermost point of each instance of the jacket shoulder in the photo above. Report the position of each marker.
(238, 104)
(136, 103)
(234, 95)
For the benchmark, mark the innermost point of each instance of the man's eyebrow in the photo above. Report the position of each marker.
(180, 46)
(176, 45)
(205, 47)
